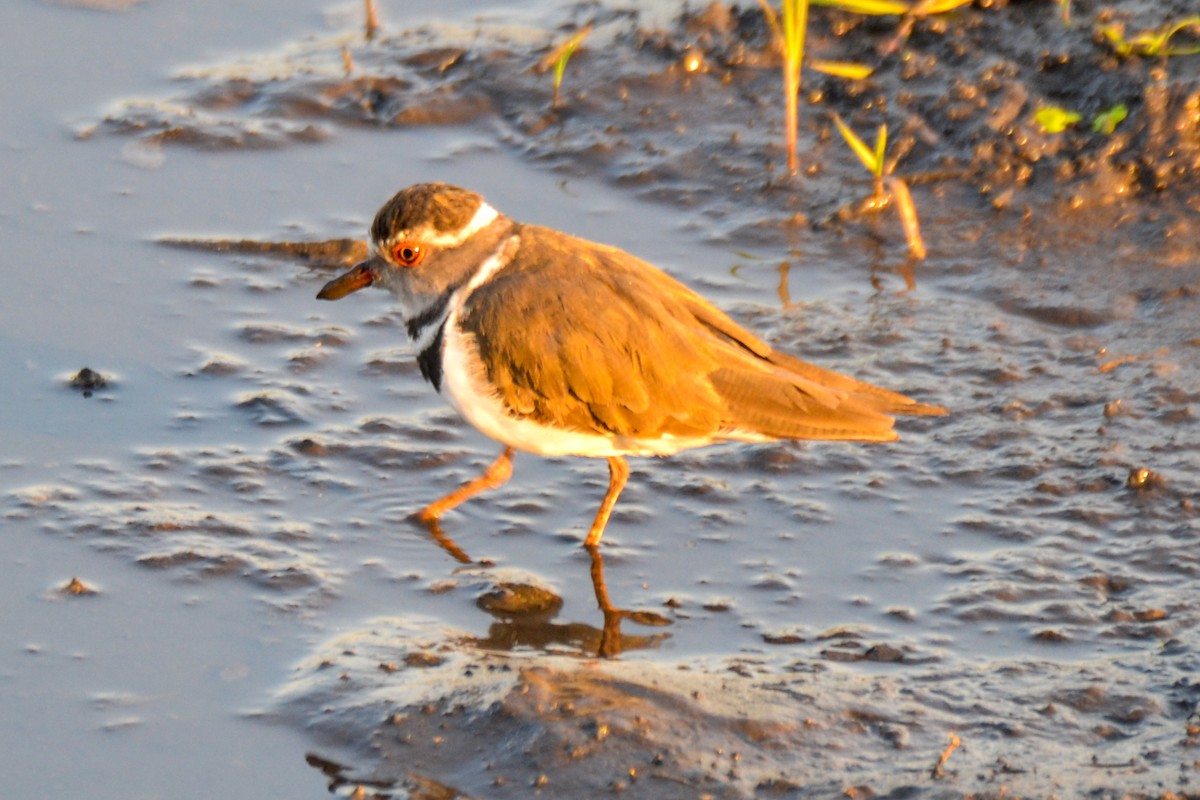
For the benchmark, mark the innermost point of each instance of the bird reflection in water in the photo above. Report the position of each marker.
(524, 613)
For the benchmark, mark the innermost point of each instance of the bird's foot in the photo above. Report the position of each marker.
(432, 524)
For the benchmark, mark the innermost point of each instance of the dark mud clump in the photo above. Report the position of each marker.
(87, 381)
(77, 588)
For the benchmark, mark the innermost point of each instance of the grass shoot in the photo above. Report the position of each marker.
(908, 215)
(871, 158)
(928, 8)
(787, 30)
(557, 60)
(1055, 119)
(874, 8)
(1150, 44)
(851, 70)
(893, 8)
(1107, 121)
(888, 188)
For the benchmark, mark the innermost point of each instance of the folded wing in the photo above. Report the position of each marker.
(610, 345)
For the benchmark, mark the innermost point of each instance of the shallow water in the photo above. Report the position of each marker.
(238, 494)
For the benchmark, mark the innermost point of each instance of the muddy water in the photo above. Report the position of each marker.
(788, 620)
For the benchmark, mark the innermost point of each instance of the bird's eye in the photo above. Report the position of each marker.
(408, 254)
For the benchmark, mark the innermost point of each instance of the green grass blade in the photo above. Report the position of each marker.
(876, 8)
(864, 153)
(941, 6)
(1107, 121)
(1191, 22)
(1151, 44)
(1055, 119)
(843, 69)
(556, 60)
(1114, 35)
(880, 149)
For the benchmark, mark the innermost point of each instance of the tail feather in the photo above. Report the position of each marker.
(782, 397)
(792, 407)
(876, 397)
(865, 405)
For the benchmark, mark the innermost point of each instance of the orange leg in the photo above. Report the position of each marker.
(494, 476)
(618, 474)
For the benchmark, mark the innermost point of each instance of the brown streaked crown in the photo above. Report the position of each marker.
(439, 206)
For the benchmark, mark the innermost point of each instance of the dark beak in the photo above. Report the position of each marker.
(360, 276)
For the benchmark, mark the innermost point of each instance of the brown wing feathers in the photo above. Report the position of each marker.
(602, 372)
(642, 355)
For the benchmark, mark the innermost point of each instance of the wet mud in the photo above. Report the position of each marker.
(515, 727)
(685, 107)
(762, 621)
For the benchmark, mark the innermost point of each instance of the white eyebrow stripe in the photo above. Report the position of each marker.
(485, 215)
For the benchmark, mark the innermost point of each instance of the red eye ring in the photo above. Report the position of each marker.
(408, 254)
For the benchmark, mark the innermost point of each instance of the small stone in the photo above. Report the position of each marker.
(423, 658)
(519, 599)
(1142, 479)
(783, 638)
(88, 380)
(1150, 615)
(310, 447)
(884, 653)
(77, 588)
